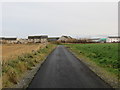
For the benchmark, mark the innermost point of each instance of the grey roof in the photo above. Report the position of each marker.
(8, 38)
(113, 36)
(53, 37)
(67, 36)
(37, 37)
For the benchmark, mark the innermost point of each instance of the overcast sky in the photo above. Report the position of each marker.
(59, 18)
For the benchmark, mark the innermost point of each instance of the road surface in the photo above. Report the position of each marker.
(63, 70)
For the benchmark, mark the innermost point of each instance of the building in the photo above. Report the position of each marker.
(44, 38)
(1, 40)
(38, 39)
(112, 39)
(64, 38)
(103, 40)
(98, 40)
(22, 41)
(9, 40)
(34, 39)
(51, 39)
(94, 40)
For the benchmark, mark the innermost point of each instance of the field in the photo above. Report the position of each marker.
(105, 55)
(11, 51)
(24, 58)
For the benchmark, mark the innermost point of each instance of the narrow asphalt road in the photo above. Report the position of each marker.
(63, 70)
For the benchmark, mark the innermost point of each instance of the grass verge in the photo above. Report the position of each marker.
(13, 70)
(100, 58)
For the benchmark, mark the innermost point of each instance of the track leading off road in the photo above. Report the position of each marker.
(63, 70)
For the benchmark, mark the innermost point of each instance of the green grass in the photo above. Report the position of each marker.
(104, 55)
(13, 70)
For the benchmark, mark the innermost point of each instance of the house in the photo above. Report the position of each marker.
(38, 39)
(64, 38)
(51, 39)
(111, 39)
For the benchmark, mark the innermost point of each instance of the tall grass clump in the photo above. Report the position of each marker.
(13, 70)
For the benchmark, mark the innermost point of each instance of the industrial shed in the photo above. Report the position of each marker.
(38, 39)
(8, 39)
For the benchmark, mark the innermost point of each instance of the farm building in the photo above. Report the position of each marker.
(111, 39)
(103, 40)
(50, 39)
(64, 38)
(9, 40)
(44, 38)
(38, 39)
(22, 41)
(1, 40)
(96, 40)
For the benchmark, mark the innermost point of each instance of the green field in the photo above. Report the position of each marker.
(104, 55)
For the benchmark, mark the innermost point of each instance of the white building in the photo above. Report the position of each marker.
(111, 39)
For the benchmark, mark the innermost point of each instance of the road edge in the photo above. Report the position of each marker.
(38, 68)
(29, 75)
(92, 69)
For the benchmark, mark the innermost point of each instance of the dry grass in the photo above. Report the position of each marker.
(11, 51)
(13, 70)
(0, 82)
